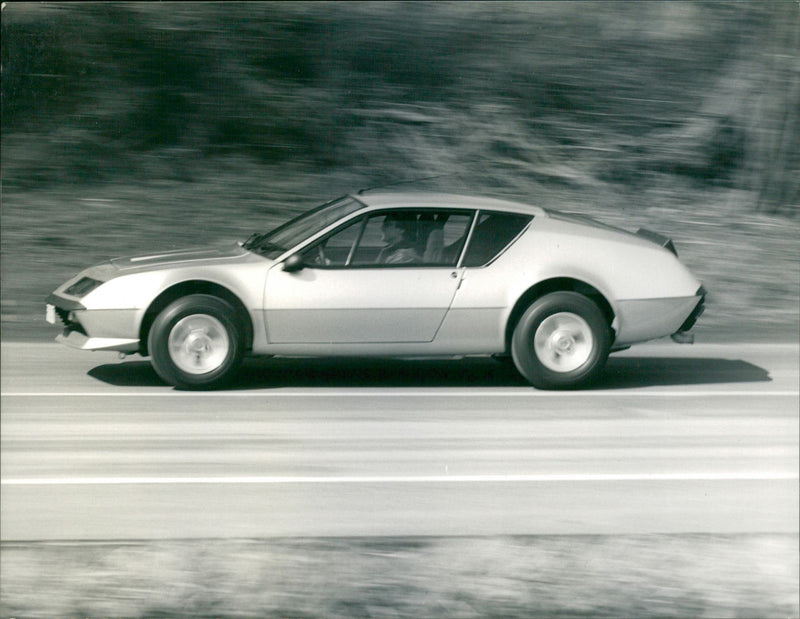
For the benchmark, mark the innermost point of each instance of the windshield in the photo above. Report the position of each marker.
(283, 238)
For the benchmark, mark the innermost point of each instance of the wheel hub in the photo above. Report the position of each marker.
(563, 342)
(198, 344)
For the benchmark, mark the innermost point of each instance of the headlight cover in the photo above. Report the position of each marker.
(82, 287)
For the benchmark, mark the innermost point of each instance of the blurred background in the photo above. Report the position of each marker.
(137, 127)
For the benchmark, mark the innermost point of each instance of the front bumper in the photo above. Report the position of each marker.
(84, 329)
(80, 341)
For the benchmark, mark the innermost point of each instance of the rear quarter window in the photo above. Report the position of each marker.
(493, 233)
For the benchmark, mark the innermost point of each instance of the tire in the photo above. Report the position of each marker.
(196, 342)
(561, 341)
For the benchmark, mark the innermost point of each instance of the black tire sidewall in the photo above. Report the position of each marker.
(159, 334)
(529, 365)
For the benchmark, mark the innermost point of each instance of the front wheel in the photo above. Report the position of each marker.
(561, 341)
(196, 343)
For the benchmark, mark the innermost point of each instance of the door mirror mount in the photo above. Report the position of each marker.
(294, 263)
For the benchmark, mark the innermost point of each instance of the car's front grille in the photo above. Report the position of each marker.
(69, 325)
(63, 315)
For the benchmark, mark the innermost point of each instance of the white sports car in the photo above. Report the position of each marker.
(391, 274)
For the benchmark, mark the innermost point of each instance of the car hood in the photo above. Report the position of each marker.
(180, 257)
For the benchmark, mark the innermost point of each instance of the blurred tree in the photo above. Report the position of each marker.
(774, 127)
(550, 93)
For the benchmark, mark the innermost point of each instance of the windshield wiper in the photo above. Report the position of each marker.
(257, 242)
(251, 239)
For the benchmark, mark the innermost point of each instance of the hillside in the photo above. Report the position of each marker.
(135, 126)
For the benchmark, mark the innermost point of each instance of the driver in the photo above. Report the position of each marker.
(399, 234)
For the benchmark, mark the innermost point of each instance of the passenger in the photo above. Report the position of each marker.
(399, 234)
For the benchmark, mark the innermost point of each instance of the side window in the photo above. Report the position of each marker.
(424, 237)
(369, 249)
(335, 250)
(444, 238)
(493, 233)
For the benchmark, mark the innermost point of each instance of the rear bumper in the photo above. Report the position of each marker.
(699, 308)
(640, 320)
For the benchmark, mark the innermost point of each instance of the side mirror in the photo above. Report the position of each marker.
(294, 263)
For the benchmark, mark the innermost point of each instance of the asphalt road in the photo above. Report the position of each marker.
(676, 439)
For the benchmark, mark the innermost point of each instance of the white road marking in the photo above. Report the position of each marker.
(401, 392)
(419, 479)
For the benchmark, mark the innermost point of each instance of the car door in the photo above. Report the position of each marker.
(359, 285)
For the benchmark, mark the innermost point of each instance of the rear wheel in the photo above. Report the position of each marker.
(196, 343)
(561, 341)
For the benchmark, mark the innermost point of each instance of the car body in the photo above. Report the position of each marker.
(391, 274)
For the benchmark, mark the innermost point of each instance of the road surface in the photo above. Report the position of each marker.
(676, 439)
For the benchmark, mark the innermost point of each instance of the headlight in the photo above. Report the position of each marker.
(82, 287)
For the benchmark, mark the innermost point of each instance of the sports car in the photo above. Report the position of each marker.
(391, 274)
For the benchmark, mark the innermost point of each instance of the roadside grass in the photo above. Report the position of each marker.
(748, 261)
(456, 577)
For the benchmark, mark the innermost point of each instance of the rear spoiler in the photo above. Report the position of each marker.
(658, 239)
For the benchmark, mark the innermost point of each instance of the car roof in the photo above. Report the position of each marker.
(378, 198)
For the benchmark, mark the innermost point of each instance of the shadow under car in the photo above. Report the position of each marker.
(620, 373)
